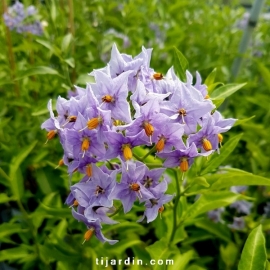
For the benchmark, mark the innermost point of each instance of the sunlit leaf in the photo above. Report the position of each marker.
(253, 256)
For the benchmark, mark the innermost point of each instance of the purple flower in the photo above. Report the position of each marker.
(207, 138)
(180, 157)
(242, 207)
(112, 95)
(130, 188)
(94, 213)
(215, 215)
(155, 204)
(95, 226)
(223, 124)
(238, 223)
(183, 108)
(120, 145)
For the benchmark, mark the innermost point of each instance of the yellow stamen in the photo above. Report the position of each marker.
(85, 145)
(75, 203)
(88, 235)
(220, 138)
(148, 128)
(93, 123)
(89, 170)
(158, 76)
(70, 119)
(136, 187)
(207, 146)
(51, 134)
(107, 98)
(60, 163)
(160, 144)
(127, 153)
(161, 209)
(207, 97)
(184, 164)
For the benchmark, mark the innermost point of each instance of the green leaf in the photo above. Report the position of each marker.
(211, 77)
(253, 256)
(217, 229)
(56, 212)
(53, 11)
(182, 260)
(201, 181)
(229, 254)
(161, 250)
(265, 72)
(7, 229)
(70, 62)
(66, 42)
(15, 253)
(241, 179)
(40, 70)
(225, 151)
(218, 102)
(180, 64)
(242, 121)
(53, 49)
(226, 90)
(212, 87)
(210, 201)
(4, 198)
(15, 174)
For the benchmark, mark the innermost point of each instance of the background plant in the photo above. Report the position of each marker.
(36, 228)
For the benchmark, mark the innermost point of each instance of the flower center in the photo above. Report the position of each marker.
(182, 112)
(207, 146)
(127, 153)
(99, 190)
(183, 164)
(107, 99)
(147, 182)
(135, 187)
(158, 76)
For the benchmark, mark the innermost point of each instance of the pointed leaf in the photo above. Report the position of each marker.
(211, 77)
(253, 256)
(241, 179)
(226, 90)
(180, 64)
(210, 201)
(242, 121)
(40, 70)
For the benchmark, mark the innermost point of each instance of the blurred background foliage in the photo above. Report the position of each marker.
(37, 230)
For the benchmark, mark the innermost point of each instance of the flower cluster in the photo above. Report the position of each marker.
(131, 105)
(22, 20)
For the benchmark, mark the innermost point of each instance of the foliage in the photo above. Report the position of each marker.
(37, 230)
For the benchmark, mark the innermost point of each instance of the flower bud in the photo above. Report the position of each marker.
(207, 146)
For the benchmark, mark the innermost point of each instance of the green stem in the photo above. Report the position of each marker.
(177, 198)
(116, 211)
(152, 150)
(137, 157)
